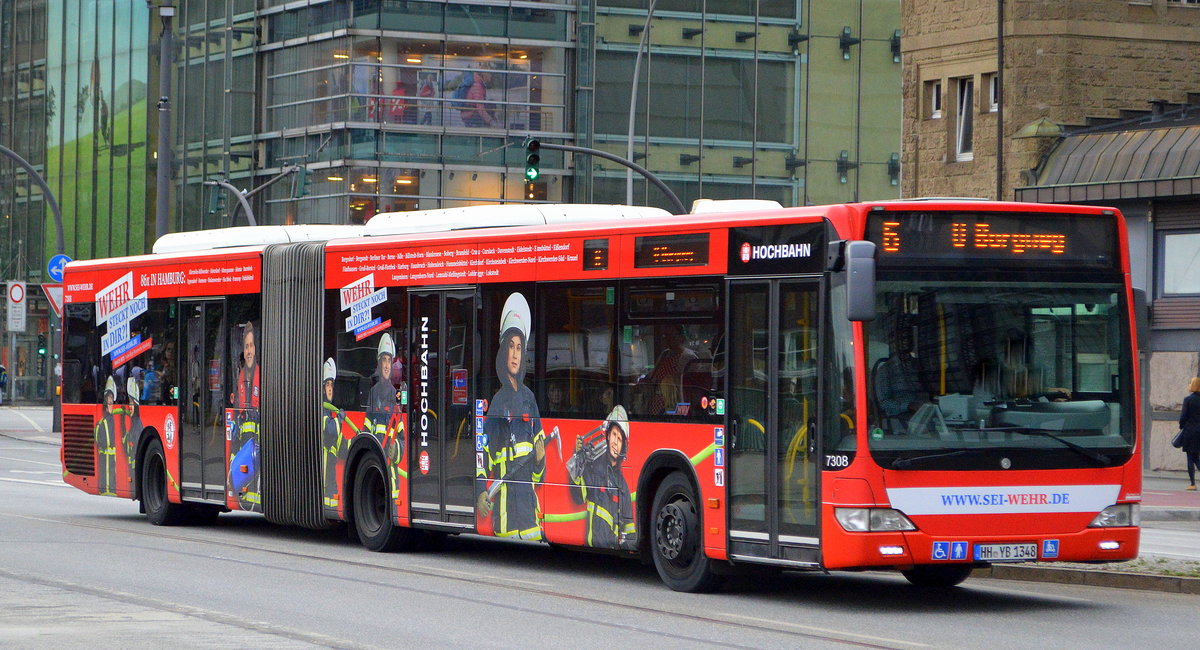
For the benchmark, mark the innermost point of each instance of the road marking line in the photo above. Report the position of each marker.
(34, 462)
(34, 471)
(477, 576)
(23, 480)
(829, 631)
(36, 427)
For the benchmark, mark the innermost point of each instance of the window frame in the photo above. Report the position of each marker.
(964, 125)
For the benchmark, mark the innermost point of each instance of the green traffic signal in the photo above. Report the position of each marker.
(302, 182)
(532, 160)
(41, 347)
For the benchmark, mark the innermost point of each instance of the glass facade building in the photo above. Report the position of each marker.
(418, 104)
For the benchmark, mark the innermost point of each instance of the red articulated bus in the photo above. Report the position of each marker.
(927, 386)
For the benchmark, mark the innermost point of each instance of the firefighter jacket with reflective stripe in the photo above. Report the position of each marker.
(510, 430)
(332, 442)
(602, 487)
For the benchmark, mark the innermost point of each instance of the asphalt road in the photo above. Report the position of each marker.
(84, 571)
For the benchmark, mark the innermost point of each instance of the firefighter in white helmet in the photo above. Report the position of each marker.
(514, 448)
(595, 469)
(245, 444)
(129, 420)
(106, 443)
(383, 411)
(333, 442)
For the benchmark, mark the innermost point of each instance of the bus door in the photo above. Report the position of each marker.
(774, 371)
(202, 396)
(442, 381)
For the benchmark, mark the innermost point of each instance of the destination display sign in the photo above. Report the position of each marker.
(960, 238)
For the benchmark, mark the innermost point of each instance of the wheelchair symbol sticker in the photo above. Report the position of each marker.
(941, 550)
(1049, 548)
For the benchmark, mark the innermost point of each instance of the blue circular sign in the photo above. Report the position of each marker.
(55, 267)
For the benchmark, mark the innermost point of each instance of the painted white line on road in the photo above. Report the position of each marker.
(22, 480)
(41, 472)
(36, 427)
(33, 462)
(828, 631)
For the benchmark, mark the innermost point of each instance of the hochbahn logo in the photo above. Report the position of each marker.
(775, 251)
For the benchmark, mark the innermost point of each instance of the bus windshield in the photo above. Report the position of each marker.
(987, 375)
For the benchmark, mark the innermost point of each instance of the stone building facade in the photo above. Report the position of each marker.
(1063, 60)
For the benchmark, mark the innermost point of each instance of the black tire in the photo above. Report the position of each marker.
(676, 542)
(938, 577)
(377, 530)
(159, 510)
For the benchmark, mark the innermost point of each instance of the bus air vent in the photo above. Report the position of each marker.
(79, 449)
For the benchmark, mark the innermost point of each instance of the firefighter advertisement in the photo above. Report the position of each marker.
(242, 422)
(365, 396)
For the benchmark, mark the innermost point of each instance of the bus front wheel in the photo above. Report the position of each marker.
(938, 577)
(676, 545)
(373, 521)
(159, 509)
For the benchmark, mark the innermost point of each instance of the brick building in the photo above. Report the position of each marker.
(971, 126)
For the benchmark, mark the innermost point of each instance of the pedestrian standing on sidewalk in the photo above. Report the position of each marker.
(1189, 425)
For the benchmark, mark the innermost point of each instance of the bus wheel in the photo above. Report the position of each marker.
(373, 521)
(676, 545)
(159, 510)
(938, 576)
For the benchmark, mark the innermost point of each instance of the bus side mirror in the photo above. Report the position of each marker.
(860, 280)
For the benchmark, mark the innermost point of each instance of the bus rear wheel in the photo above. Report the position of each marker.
(938, 577)
(159, 509)
(676, 543)
(377, 529)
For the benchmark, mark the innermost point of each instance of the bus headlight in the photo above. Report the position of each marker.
(1123, 514)
(864, 520)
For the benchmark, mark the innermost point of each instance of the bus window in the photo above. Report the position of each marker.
(668, 342)
(579, 374)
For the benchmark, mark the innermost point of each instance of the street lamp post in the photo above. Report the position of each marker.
(166, 11)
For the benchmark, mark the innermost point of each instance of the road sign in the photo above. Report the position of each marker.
(55, 267)
(54, 295)
(16, 306)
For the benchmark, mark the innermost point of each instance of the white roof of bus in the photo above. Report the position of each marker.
(509, 214)
(200, 240)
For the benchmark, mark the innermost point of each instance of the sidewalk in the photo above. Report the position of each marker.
(1165, 498)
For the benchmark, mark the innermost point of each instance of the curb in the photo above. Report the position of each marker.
(1091, 578)
(1167, 513)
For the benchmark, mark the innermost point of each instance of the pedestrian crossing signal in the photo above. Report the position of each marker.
(533, 160)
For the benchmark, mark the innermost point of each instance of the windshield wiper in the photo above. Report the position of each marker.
(1079, 449)
(905, 463)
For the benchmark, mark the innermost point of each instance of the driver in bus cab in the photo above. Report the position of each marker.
(897, 383)
(513, 457)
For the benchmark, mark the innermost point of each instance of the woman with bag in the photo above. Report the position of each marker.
(1189, 430)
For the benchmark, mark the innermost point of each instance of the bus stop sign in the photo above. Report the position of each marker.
(55, 267)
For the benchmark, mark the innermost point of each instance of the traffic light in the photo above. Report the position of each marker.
(302, 182)
(216, 200)
(41, 344)
(532, 160)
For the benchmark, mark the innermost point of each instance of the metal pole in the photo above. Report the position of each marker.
(241, 200)
(163, 176)
(634, 167)
(59, 247)
(633, 93)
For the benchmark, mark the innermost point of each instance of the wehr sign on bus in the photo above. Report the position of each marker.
(116, 307)
(794, 248)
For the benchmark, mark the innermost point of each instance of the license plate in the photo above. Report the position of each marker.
(1005, 552)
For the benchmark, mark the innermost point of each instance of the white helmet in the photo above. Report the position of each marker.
(110, 386)
(515, 315)
(131, 388)
(386, 346)
(619, 418)
(330, 370)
